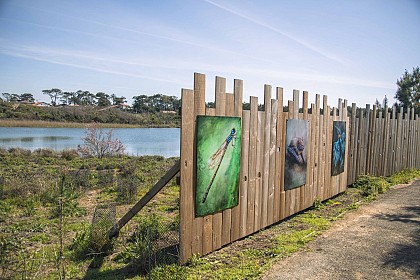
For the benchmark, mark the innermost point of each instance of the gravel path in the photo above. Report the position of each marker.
(378, 241)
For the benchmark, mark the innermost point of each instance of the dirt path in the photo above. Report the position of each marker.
(378, 241)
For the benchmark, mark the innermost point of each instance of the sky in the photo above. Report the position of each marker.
(354, 50)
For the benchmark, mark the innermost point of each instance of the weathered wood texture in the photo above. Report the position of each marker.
(378, 142)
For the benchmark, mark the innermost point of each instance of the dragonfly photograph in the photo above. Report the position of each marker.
(218, 163)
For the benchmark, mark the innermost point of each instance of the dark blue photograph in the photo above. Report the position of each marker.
(338, 148)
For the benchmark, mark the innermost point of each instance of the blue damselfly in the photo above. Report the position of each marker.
(216, 159)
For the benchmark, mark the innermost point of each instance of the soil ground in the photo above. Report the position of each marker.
(380, 240)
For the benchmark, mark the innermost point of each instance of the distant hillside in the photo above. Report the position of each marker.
(87, 114)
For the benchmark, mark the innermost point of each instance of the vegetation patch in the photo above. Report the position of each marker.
(47, 206)
(251, 257)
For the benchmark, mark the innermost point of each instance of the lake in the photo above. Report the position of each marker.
(138, 141)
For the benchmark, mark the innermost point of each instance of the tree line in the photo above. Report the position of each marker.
(141, 104)
(407, 96)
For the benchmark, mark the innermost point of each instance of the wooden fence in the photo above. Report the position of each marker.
(376, 145)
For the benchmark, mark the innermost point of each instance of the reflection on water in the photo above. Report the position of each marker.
(33, 139)
(138, 141)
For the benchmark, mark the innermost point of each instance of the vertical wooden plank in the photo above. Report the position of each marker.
(273, 169)
(266, 156)
(283, 198)
(346, 167)
(227, 214)
(393, 139)
(304, 189)
(253, 131)
(296, 192)
(334, 180)
(186, 190)
(208, 220)
(236, 211)
(326, 116)
(380, 145)
(360, 135)
(320, 184)
(316, 118)
(289, 199)
(351, 158)
(238, 91)
(386, 142)
(417, 133)
(406, 144)
(279, 193)
(313, 154)
(398, 154)
(199, 109)
(244, 174)
(330, 182)
(220, 92)
(372, 141)
(409, 138)
(259, 172)
(412, 143)
(366, 128)
(199, 94)
(338, 116)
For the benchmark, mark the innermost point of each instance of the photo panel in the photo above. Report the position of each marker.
(296, 153)
(218, 164)
(338, 147)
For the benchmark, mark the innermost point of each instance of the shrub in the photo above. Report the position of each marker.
(69, 154)
(371, 185)
(80, 246)
(19, 152)
(100, 144)
(148, 230)
(403, 177)
(45, 152)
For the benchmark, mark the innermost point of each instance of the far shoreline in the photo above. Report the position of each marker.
(54, 124)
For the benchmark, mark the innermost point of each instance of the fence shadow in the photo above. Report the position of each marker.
(406, 256)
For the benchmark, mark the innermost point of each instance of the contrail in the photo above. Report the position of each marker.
(28, 56)
(278, 31)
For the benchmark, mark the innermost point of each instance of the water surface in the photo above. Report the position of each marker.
(138, 141)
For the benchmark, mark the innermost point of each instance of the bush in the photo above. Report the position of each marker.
(371, 185)
(100, 144)
(69, 154)
(404, 177)
(138, 249)
(45, 152)
(19, 152)
(80, 246)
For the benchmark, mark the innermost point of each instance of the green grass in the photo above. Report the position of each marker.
(32, 184)
(30, 227)
(252, 257)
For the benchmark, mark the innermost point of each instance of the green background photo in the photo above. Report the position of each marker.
(224, 192)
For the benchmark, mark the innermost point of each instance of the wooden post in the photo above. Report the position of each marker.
(220, 93)
(280, 195)
(199, 109)
(245, 150)
(273, 169)
(227, 214)
(186, 191)
(266, 156)
(253, 131)
(303, 203)
(236, 211)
